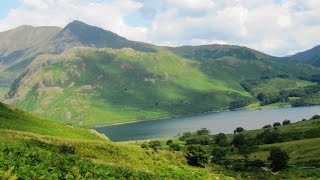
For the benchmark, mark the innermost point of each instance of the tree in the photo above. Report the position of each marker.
(203, 131)
(286, 122)
(279, 159)
(169, 142)
(276, 124)
(238, 140)
(155, 145)
(239, 130)
(221, 140)
(267, 126)
(185, 135)
(268, 137)
(218, 154)
(174, 147)
(144, 145)
(243, 144)
(197, 155)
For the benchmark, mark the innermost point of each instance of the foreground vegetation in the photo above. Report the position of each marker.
(33, 148)
(278, 151)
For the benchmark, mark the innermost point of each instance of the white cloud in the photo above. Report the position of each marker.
(275, 27)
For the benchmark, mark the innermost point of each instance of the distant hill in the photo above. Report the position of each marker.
(311, 56)
(89, 76)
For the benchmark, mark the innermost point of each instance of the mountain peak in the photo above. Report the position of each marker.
(82, 34)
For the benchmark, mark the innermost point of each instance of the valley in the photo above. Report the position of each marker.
(82, 79)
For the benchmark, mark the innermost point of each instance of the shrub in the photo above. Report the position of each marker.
(144, 145)
(255, 163)
(67, 149)
(276, 124)
(268, 137)
(267, 126)
(203, 140)
(203, 131)
(169, 142)
(279, 159)
(238, 130)
(155, 144)
(185, 135)
(218, 154)
(315, 117)
(174, 147)
(286, 122)
(221, 140)
(197, 155)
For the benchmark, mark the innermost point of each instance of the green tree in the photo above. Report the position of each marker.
(155, 145)
(221, 140)
(169, 142)
(279, 159)
(174, 147)
(197, 155)
(218, 154)
(203, 131)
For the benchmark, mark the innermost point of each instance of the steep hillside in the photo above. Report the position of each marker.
(18, 47)
(311, 56)
(87, 86)
(78, 33)
(33, 148)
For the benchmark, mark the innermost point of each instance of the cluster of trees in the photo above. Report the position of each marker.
(269, 97)
(199, 153)
(156, 145)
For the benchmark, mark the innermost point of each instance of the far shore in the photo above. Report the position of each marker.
(194, 114)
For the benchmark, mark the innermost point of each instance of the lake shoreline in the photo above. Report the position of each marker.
(194, 114)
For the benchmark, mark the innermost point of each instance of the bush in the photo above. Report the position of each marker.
(267, 126)
(203, 131)
(185, 135)
(169, 142)
(238, 130)
(67, 149)
(155, 145)
(276, 124)
(218, 154)
(279, 159)
(286, 122)
(268, 137)
(221, 140)
(255, 163)
(203, 140)
(315, 117)
(197, 155)
(144, 145)
(174, 147)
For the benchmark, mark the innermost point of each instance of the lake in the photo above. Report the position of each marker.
(224, 122)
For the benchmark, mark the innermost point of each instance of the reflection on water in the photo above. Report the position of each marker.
(224, 122)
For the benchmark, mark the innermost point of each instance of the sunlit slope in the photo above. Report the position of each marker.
(35, 148)
(87, 86)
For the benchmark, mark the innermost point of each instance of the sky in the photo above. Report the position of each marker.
(276, 27)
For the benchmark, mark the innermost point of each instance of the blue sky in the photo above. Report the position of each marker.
(7, 6)
(277, 27)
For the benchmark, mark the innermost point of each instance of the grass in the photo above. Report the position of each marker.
(90, 87)
(31, 147)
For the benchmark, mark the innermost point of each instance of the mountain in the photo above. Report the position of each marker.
(90, 76)
(19, 47)
(311, 56)
(78, 33)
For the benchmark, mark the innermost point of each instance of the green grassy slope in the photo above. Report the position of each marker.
(87, 86)
(34, 148)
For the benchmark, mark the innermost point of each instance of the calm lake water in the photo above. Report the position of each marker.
(224, 122)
